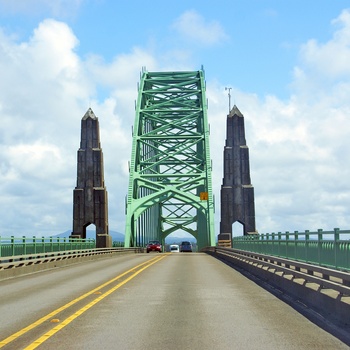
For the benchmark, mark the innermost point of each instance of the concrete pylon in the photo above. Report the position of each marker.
(237, 192)
(90, 202)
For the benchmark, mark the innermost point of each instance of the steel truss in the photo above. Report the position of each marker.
(170, 185)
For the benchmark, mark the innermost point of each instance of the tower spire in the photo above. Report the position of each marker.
(237, 192)
(90, 203)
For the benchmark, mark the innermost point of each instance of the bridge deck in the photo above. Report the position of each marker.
(174, 301)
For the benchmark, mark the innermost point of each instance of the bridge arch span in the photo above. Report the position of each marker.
(170, 184)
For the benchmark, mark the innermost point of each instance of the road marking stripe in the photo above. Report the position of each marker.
(66, 306)
(69, 319)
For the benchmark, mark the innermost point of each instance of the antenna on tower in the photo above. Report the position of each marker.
(229, 98)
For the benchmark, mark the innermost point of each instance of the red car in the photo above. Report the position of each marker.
(154, 246)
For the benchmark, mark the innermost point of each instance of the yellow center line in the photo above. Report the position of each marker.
(68, 320)
(55, 312)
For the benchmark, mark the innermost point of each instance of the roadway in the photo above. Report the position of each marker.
(150, 301)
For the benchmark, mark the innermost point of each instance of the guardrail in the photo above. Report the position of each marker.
(31, 259)
(326, 248)
(324, 277)
(12, 266)
(12, 246)
(320, 293)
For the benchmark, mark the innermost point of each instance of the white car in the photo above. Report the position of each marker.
(174, 248)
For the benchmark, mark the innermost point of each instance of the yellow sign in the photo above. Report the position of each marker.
(203, 196)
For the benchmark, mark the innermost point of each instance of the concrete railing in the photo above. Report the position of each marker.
(315, 291)
(12, 266)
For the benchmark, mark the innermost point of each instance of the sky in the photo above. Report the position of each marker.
(287, 64)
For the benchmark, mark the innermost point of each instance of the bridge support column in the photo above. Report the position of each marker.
(237, 192)
(90, 203)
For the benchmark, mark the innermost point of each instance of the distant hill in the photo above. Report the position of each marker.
(116, 236)
(178, 240)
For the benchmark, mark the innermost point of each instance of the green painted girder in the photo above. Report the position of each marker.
(170, 162)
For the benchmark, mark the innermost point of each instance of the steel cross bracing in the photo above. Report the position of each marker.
(170, 185)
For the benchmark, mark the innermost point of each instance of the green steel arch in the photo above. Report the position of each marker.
(170, 185)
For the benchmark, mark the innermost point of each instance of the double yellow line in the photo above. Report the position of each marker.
(134, 272)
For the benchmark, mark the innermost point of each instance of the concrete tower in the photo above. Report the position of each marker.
(90, 203)
(237, 192)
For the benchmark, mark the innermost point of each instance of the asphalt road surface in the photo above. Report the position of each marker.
(150, 301)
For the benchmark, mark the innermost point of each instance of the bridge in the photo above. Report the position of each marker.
(170, 185)
(280, 291)
(133, 300)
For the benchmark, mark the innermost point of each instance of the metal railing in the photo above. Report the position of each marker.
(12, 246)
(325, 248)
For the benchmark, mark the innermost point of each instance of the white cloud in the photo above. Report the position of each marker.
(45, 90)
(191, 25)
(28, 158)
(299, 149)
(322, 63)
(53, 43)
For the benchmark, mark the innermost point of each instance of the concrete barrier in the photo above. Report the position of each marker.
(326, 307)
(26, 267)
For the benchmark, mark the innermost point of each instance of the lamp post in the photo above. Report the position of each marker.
(229, 98)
